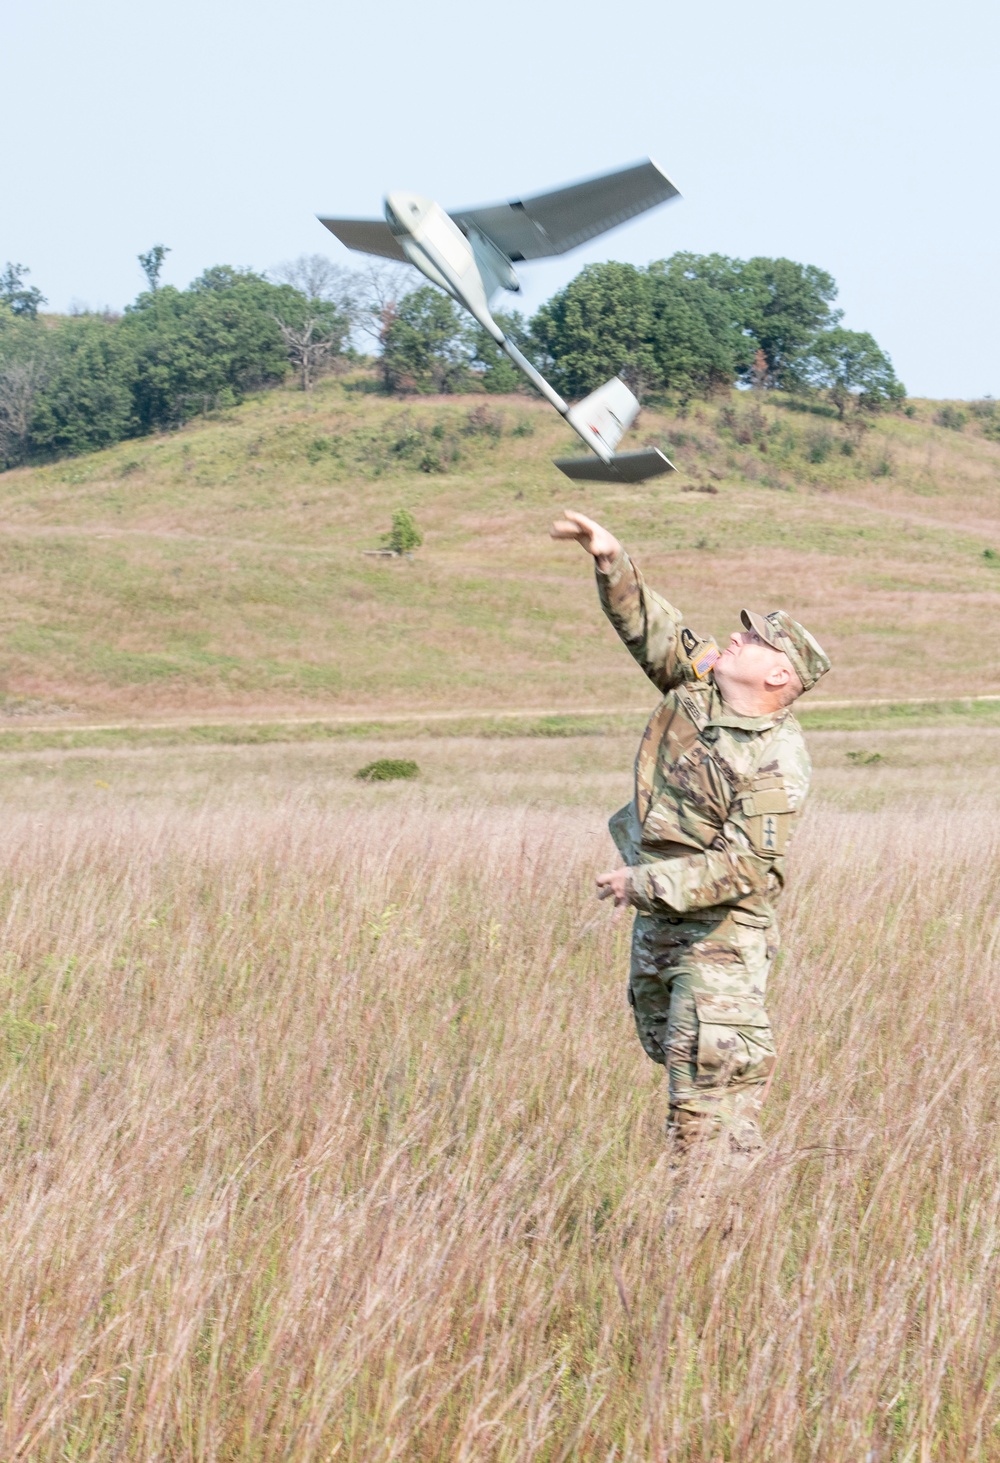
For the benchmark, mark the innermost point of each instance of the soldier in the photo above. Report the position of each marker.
(720, 778)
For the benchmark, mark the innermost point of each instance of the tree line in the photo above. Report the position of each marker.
(681, 327)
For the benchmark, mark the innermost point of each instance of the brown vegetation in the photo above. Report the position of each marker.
(326, 1133)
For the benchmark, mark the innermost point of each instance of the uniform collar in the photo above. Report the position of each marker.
(721, 715)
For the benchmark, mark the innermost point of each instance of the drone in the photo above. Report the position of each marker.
(471, 253)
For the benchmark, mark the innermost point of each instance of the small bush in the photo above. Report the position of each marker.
(524, 428)
(317, 447)
(409, 443)
(986, 413)
(952, 417)
(865, 759)
(484, 422)
(387, 769)
(746, 427)
(819, 446)
(405, 536)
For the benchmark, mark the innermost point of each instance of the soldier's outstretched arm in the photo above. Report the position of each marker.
(647, 624)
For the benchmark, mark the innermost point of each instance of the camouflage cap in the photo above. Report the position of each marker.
(780, 630)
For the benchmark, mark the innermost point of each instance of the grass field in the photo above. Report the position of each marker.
(220, 570)
(326, 1134)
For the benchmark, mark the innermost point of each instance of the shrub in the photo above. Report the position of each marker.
(387, 769)
(950, 416)
(820, 445)
(482, 421)
(405, 536)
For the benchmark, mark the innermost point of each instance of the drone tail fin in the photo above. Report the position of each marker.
(603, 417)
(624, 467)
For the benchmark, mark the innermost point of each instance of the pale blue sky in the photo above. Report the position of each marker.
(861, 137)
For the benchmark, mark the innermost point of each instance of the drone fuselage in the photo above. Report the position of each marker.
(472, 269)
(435, 244)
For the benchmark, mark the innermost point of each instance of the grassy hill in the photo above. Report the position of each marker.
(220, 571)
(326, 1132)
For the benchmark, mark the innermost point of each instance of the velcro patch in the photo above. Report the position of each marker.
(703, 657)
(765, 800)
(769, 833)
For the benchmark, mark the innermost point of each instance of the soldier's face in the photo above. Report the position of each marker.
(747, 662)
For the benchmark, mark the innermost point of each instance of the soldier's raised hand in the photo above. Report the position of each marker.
(595, 539)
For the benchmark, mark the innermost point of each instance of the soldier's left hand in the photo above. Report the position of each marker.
(614, 885)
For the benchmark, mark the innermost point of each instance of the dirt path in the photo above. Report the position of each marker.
(394, 718)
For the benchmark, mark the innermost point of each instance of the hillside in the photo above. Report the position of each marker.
(219, 570)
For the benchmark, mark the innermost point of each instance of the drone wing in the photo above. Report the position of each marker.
(536, 227)
(368, 235)
(553, 223)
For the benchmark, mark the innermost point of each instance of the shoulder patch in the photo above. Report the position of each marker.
(701, 653)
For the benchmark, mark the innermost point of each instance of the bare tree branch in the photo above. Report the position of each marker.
(310, 345)
(379, 287)
(20, 383)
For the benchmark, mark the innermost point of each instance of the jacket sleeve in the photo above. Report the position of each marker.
(747, 858)
(648, 625)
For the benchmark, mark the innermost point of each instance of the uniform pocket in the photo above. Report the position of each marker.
(768, 819)
(735, 1044)
(752, 921)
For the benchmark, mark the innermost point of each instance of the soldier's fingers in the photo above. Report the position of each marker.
(562, 529)
(604, 891)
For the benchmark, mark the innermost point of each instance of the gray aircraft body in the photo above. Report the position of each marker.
(471, 254)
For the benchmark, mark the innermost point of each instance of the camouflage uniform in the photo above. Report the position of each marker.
(716, 798)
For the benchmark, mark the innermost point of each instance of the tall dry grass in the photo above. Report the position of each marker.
(328, 1137)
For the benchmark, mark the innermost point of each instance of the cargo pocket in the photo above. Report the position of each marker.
(735, 1044)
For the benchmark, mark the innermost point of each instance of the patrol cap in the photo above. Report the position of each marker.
(783, 633)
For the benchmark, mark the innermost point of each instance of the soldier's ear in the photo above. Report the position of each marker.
(778, 676)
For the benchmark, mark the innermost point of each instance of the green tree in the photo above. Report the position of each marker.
(152, 263)
(425, 346)
(498, 372)
(779, 305)
(20, 298)
(697, 338)
(784, 306)
(599, 326)
(207, 346)
(404, 536)
(851, 366)
(86, 399)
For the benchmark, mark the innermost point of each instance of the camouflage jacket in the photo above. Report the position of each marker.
(716, 794)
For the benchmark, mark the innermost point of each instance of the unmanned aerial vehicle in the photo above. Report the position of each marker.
(471, 254)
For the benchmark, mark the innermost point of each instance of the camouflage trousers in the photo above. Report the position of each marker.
(697, 988)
